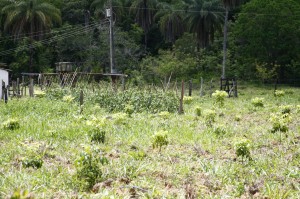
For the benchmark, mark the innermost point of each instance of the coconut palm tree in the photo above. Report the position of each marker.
(144, 13)
(204, 18)
(30, 17)
(228, 4)
(171, 22)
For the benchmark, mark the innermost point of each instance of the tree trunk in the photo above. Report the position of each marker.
(225, 42)
(31, 48)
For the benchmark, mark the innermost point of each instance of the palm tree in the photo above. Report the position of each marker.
(144, 12)
(30, 17)
(204, 18)
(171, 22)
(228, 4)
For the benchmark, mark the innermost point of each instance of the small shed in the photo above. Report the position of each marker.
(3, 77)
(64, 67)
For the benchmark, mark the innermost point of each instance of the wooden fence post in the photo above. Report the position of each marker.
(180, 111)
(190, 87)
(81, 101)
(201, 88)
(31, 89)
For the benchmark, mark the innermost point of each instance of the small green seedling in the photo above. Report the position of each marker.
(160, 139)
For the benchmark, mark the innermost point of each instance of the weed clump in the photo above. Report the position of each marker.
(11, 124)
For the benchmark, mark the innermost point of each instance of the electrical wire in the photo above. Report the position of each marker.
(51, 39)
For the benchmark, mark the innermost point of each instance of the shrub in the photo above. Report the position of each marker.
(20, 194)
(219, 131)
(209, 116)
(39, 94)
(160, 139)
(129, 109)
(279, 93)
(68, 98)
(285, 109)
(298, 108)
(89, 167)
(11, 124)
(280, 122)
(97, 135)
(242, 149)
(219, 97)
(198, 111)
(258, 102)
(187, 99)
(34, 162)
(237, 118)
(164, 114)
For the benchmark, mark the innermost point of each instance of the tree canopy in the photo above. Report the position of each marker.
(262, 39)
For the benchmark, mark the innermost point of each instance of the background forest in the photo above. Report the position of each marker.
(154, 39)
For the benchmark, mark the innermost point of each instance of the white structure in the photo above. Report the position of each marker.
(3, 77)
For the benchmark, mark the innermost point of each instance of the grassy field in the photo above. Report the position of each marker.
(247, 148)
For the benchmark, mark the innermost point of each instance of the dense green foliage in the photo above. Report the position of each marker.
(154, 39)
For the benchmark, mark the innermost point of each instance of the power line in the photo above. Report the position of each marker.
(51, 39)
(196, 11)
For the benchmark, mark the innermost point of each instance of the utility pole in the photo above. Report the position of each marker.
(109, 13)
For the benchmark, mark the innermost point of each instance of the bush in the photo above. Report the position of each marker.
(219, 97)
(11, 124)
(219, 131)
(258, 102)
(279, 93)
(160, 139)
(97, 135)
(210, 117)
(280, 122)
(89, 167)
(285, 109)
(242, 149)
(198, 111)
(187, 99)
(34, 162)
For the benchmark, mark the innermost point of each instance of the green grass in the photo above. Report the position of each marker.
(199, 161)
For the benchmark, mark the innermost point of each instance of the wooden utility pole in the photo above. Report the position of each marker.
(109, 13)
